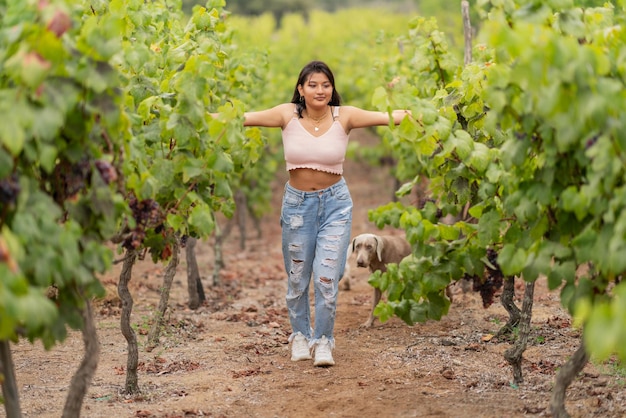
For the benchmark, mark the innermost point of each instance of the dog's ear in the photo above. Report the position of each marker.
(379, 248)
(353, 244)
(350, 249)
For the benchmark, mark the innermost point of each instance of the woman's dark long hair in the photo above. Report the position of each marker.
(312, 68)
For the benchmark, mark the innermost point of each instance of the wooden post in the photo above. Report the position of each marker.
(467, 30)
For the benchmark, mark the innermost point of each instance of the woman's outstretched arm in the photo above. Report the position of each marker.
(360, 118)
(275, 117)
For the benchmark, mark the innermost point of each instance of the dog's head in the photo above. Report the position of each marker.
(366, 247)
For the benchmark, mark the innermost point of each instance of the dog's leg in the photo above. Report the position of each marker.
(345, 282)
(375, 299)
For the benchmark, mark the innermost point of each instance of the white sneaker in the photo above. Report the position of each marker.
(323, 353)
(300, 348)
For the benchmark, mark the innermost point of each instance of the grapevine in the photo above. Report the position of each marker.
(62, 114)
(518, 144)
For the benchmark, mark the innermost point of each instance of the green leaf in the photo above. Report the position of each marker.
(574, 201)
(175, 221)
(537, 264)
(35, 310)
(223, 189)
(449, 232)
(6, 163)
(514, 152)
(379, 98)
(526, 210)
(47, 157)
(383, 311)
(418, 313)
(394, 289)
(435, 282)
(567, 295)
(438, 305)
(100, 35)
(221, 162)
(405, 189)
(512, 260)
(12, 133)
(163, 171)
(584, 245)
(489, 228)
(193, 168)
(476, 211)
(561, 272)
(463, 144)
(608, 318)
(201, 219)
(480, 157)
(379, 280)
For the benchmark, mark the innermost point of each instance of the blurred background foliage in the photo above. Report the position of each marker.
(279, 8)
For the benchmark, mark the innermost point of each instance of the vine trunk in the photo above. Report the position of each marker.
(132, 380)
(87, 368)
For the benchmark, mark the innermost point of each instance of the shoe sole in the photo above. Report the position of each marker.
(324, 363)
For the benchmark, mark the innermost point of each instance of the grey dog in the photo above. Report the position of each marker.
(375, 252)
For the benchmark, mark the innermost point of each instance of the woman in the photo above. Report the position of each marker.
(316, 213)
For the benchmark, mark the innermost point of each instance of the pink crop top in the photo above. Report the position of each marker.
(326, 152)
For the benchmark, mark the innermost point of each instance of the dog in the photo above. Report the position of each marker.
(375, 252)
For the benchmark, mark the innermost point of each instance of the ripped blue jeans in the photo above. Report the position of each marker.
(316, 229)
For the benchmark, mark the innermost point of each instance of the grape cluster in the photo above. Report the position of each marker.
(147, 214)
(107, 171)
(493, 280)
(183, 241)
(523, 135)
(134, 239)
(77, 178)
(69, 179)
(9, 189)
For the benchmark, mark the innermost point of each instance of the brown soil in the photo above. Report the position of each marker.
(230, 358)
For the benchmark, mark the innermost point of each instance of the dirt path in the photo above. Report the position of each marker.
(230, 358)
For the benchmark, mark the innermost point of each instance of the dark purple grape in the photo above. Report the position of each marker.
(69, 179)
(591, 141)
(9, 189)
(107, 171)
(134, 239)
(492, 282)
(146, 212)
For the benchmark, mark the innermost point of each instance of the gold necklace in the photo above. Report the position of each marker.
(316, 127)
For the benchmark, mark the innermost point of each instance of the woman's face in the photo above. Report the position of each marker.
(317, 90)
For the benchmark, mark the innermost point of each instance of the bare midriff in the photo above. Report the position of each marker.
(308, 179)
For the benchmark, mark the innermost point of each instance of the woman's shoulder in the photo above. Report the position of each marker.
(346, 109)
(287, 110)
(285, 106)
